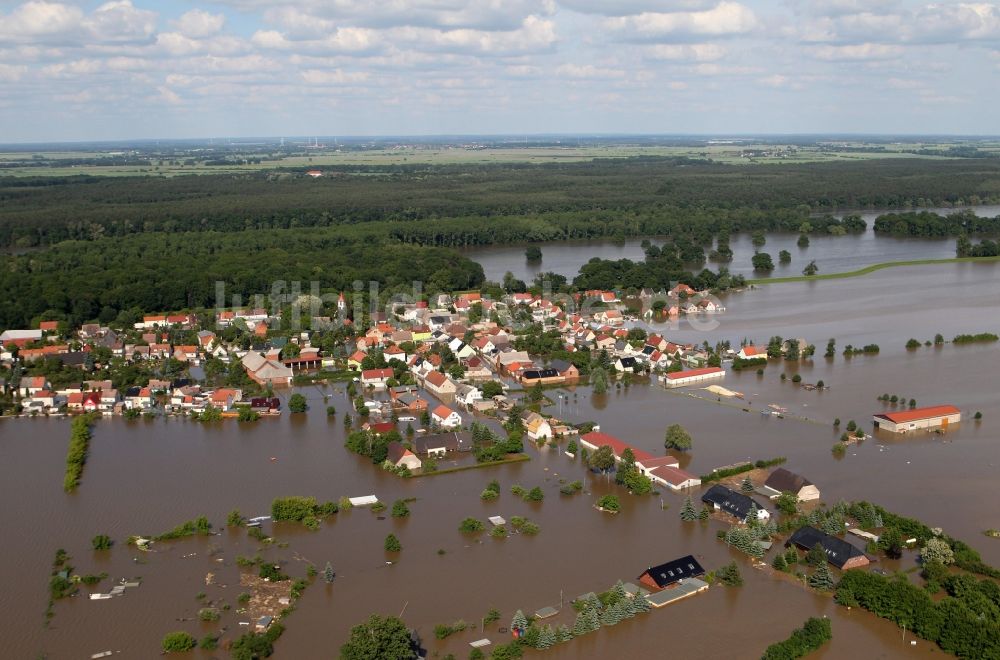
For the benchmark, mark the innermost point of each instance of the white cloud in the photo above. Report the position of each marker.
(11, 72)
(726, 18)
(120, 21)
(588, 71)
(37, 20)
(631, 7)
(334, 77)
(198, 24)
(857, 52)
(686, 52)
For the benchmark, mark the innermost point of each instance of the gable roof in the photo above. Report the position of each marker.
(693, 372)
(838, 551)
(919, 413)
(443, 411)
(673, 571)
(727, 499)
(785, 480)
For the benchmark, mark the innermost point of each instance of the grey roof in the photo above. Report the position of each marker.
(727, 499)
(838, 551)
(560, 365)
(673, 571)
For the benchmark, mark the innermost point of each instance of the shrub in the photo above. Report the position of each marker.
(392, 544)
(178, 641)
(729, 575)
(399, 509)
(802, 642)
(534, 495)
(101, 542)
(609, 503)
(470, 525)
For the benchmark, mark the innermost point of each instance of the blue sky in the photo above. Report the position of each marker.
(141, 68)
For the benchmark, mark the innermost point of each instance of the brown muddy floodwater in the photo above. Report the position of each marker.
(145, 477)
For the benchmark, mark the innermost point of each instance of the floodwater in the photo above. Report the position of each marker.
(833, 254)
(144, 477)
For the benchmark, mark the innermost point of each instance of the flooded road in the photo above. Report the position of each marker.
(833, 254)
(145, 477)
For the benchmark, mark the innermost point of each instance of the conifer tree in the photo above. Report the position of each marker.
(618, 592)
(546, 638)
(563, 634)
(822, 579)
(747, 486)
(581, 625)
(779, 563)
(519, 622)
(593, 619)
(640, 604)
(328, 574)
(704, 513)
(688, 514)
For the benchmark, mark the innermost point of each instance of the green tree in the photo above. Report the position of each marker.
(779, 563)
(178, 642)
(677, 438)
(688, 513)
(811, 269)
(822, 579)
(399, 509)
(392, 543)
(297, 403)
(101, 542)
(937, 550)
(746, 487)
(816, 556)
(785, 257)
(787, 503)
(599, 380)
(379, 639)
(602, 459)
(762, 261)
(609, 503)
(328, 574)
(546, 638)
(519, 621)
(729, 575)
(533, 253)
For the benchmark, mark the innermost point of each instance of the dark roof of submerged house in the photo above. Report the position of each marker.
(727, 499)
(838, 551)
(673, 571)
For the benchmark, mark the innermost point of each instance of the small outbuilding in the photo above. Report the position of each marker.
(839, 552)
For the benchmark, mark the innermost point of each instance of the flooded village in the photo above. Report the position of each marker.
(526, 453)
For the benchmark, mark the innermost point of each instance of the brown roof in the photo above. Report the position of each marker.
(786, 481)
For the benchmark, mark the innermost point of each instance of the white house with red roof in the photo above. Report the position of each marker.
(918, 418)
(376, 378)
(751, 352)
(446, 418)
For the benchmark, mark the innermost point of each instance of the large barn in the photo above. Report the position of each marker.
(918, 418)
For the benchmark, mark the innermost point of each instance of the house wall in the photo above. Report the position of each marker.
(808, 493)
(917, 424)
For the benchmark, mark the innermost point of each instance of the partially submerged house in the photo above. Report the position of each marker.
(735, 504)
(839, 552)
(400, 456)
(918, 418)
(668, 574)
(785, 481)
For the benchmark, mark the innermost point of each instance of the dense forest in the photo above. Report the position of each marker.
(84, 280)
(91, 247)
(435, 204)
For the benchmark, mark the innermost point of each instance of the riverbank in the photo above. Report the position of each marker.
(870, 269)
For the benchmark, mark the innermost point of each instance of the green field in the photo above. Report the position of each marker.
(729, 153)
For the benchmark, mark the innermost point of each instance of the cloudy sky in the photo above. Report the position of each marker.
(197, 68)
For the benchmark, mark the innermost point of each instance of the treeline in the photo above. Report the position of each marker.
(966, 623)
(814, 634)
(76, 453)
(926, 224)
(80, 281)
(556, 201)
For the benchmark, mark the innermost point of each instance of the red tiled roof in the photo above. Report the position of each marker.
(751, 350)
(672, 475)
(372, 374)
(443, 411)
(693, 372)
(919, 413)
(599, 439)
(436, 378)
